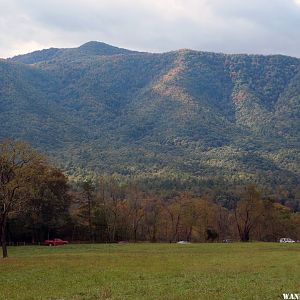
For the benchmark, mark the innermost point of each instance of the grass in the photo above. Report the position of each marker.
(151, 271)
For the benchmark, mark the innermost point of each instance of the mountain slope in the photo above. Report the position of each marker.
(183, 114)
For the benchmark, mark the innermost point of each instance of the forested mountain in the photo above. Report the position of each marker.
(182, 116)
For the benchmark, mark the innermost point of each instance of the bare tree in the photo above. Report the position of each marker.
(136, 209)
(152, 217)
(248, 212)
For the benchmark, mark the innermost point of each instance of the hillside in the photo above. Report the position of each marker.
(180, 116)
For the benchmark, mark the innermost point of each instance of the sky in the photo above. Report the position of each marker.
(229, 26)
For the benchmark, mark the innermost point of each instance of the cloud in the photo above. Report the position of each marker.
(232, 26)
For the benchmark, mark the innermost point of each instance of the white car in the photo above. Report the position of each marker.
(183, 242)
(286, 240)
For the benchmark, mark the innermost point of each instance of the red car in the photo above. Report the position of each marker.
(55, 242)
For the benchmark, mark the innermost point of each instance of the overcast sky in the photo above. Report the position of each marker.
(231, 26)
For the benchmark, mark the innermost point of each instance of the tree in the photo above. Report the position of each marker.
(88, 192)
(248, 212)
(152, 217)
(136, 209)
(115, 207)
(19, 168)
(48, 208)
(174, 214)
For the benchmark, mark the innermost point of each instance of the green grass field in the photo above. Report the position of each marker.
(151, 271)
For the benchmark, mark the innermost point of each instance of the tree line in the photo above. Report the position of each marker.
(37, 202)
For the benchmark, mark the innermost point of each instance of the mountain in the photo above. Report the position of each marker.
(87, 49)
(182, 116)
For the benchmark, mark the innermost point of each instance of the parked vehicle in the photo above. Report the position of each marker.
(286, 240)
(55, 242)
(227, 241)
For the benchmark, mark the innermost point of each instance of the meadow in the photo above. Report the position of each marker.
(151, 271)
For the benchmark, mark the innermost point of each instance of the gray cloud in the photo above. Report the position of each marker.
(231, 26)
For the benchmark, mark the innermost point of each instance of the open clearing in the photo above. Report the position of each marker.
(151, 271)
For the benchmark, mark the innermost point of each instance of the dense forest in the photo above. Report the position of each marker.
(37, 201)
(180, 120)
(184, 145)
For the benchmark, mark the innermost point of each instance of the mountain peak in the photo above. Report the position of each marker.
(100, 48)
(95, 44)
(91, 48)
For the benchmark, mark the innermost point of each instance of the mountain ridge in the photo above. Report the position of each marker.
(181, 114)
(119, 50)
